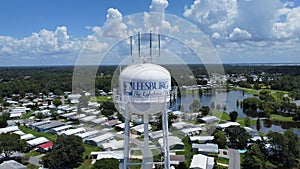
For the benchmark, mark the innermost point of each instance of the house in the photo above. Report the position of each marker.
(155, 135)
(37, 141)
(100, 120)
(176, 159)
(106, 154)
(175, 143)
(72, 131)
(9, 129)
(97, 141)
(201, 161)
(139, 129)
(12, 164)
(27, 137)
(181, 125)
(88, 119)
(201, 139)
(191, 131)
(113, 145)
(45, 147)
(121, 126)
(227, 124)
(19, 132)
(60, 129)
(112, 123)
(207, 148)
(49, 126)
(208, 119)
(88, 134)
(36, 124)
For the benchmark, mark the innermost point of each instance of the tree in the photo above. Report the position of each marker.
(106, 163)
(233, 116)
(107, 113)
(258, 126)
(254, 158)
(247, 122)
(297, 115)
(218, 107)
(205, 110)
(57, 102)
(212, 105)
(109, 106)
(10, 142)
(40, 116)
(238, 137)
(251, 103)
(3, 119)
(194, 107)
(66, 153)
(220, 139)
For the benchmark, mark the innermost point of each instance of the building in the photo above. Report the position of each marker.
(113, 145)
(154, 136)
(97, 141)
(12, 164)
(45, 147)
(208, 119)
(37, 124)
(175, 143)
(61, 129)
(181, 125)
(200, 161)
(227, 124)
(106, 154)
(72, 131)
(27, 137)
(176, 159)
(191, 131)
(208, 148)
(139, 129)
(201, 139)
(9, 129)
(88, 134)
(49, 126)
(37, 141)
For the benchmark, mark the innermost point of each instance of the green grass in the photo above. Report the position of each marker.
(32, 153)
(26, 115)
(31, 166)
(242, 121)
(86, 164)
(101, 98)
(188, 154)
(222, 160)
(89, 149)
(247, 90)
(276, 117)
(38, 134)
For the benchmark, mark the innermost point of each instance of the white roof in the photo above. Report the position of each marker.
(157, 134)
(209, 147)
(108, 154)
(73, 131)
(19, 132)
(87, 134)
(122, 125)
(9, 129)
(37, 141)
(189, 130)
(200, 161)
(88, 118)
(27, 137)
(100, 120)
(69, 114)
(57, 129)
(209, 118)
(102, 137)
(201, 138)
(12, 164)
(172, 140)
(114, 145)
(227, 124)
(41, 123)
(140, 128)
(180, 125)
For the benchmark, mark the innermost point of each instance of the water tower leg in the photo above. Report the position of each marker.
(165, 139)
(127, 138)
(147, 154)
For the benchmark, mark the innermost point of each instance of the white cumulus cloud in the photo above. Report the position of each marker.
(239, 35)
(114, 26)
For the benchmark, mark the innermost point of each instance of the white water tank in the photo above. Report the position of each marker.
(145, 88)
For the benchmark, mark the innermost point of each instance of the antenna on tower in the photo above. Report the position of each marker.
(150, 46)
(132, 60)
(139, 46)
(158, 46)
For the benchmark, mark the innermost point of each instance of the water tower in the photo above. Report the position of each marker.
(144, 89)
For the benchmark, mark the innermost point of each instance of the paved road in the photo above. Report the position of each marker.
(234, 159)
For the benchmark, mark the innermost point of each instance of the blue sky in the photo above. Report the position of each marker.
(53, 32)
